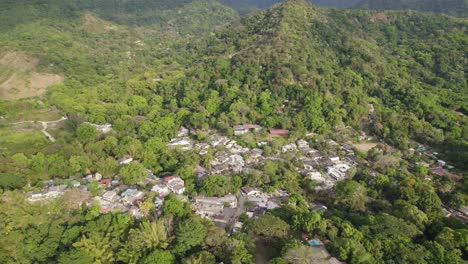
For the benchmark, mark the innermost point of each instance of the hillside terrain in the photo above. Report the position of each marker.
(339, 62)
(196, 131)
(449, 7)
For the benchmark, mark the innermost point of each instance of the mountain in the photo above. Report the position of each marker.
(249, 6)
(450, 7)
(85, 40)
(329, 65)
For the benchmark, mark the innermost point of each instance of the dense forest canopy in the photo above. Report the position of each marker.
(146, 68)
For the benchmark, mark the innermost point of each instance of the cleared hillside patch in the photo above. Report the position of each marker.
(19, 77)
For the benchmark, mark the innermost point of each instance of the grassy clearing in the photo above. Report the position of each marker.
(28, 143)
(365, 147)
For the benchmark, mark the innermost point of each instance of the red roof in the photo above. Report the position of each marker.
(106, 181)
(438, 171)
(170, 178)
(279, 132)
(250, 126)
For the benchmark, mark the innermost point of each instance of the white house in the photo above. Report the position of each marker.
(125, 160)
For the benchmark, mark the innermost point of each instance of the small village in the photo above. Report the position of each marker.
(230, 158)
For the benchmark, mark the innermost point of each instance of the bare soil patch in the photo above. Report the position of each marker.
(365, 147)
(20, 79)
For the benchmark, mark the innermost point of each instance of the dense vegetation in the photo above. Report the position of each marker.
(330, 65)
(325, 66)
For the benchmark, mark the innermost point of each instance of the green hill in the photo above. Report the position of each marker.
(450, 7)
(330, 65)
(87, 40)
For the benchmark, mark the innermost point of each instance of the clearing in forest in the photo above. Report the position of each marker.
(19, 77)
(365, 147)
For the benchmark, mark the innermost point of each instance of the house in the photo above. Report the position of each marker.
(334, 159)
(248, 191)
(183, 142)
(110, 196)
(236, 162)
(279, 132)
(201, 172)
(125, 160)
(106, 128)
(316, 207)
(175, 184)
(338, 171)
(229, 199)
(316, 176)
(237, 227)
(242, 129)
(158, 202)
(74, 183)
(464, 210)
(289, 147)
(135, 212)
(161, 189)
(93, 177)
(207, 210)
(183, 132)
(220, 219)
(133, 198)
(441, 163)
(105, 182)
(309, 165)
(438, 171)
(269, 205)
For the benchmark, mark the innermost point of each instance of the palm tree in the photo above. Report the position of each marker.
(96, 247)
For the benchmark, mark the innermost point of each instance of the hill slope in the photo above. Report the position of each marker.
(450, 7)
(86, 40)
(331, 64)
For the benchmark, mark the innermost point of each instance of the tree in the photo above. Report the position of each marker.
(86, 133)
(107, 167)
(203, 257)
(174, 206)
(94, 188)
(215, 185)
(189, 233)
(309, 221)
(96, 247)
(351, 194)
(271, 226)
(410, 213)
(133, 173)
(160, 257)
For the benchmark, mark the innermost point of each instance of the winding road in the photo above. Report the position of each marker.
(44, 126)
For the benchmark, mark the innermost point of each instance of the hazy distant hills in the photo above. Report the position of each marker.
(450, 7)
(248, 6)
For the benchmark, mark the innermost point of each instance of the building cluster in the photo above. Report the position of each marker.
(217, 209)
(167, 185)
(115, 196)
(256, 202)
(439, 167)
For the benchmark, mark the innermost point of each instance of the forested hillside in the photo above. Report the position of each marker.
(450, 7)
(330, 65)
